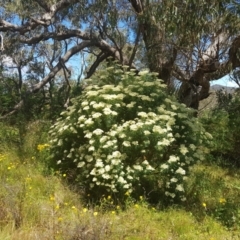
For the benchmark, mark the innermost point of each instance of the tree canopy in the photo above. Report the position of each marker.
(191, 42)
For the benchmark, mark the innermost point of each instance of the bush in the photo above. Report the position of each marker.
(224, 125)
(128, 137)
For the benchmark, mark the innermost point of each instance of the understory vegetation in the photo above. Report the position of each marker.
(46, 194)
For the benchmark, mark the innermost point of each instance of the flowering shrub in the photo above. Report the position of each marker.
(115, 137)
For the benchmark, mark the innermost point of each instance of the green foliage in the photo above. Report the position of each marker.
(8, 95)
(216, 191)
(224, 125)
(129, 137)
(9, 136)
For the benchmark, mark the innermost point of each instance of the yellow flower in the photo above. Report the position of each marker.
(52, 198)
(136, 206)
(95, 213)
(204, 205)
(118, 207)
(222, 200)
(141, 197)
(41, 147)
(64, 175)
(113, 212)
(57, 207)
(109, 197)
(85, 210)
(60, 219)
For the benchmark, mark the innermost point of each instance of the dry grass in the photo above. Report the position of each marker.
(40, 207)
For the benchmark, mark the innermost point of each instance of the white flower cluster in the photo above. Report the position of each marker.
(117, 135)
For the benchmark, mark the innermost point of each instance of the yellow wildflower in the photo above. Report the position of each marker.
(95, 213)
(52, 198)
(222, 200)
(41, 147)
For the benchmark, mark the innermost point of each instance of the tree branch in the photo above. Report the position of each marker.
(66, 34)
(135, 47)
(58, 67)
(101, 57)
(44, 20)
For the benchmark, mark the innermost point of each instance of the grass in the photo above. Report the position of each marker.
(36, 204)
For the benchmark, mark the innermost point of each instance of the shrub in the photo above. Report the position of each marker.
(224, 125)
(128, 137)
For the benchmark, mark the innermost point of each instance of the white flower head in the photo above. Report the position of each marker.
(173, 180)
(173, 107)
(146, 132)
(164, 166)
(164, 142)
(88, 135)
(180, 188)
(84, 104)
(99, 163)
(183, 149)
(138, 167)
(89, 122)
(86, 108)
(142, 114)
(80, 164)
(103, 139)
(91, 149)
(173, 159)
(121, 180)
(116, 154)
(107, 168)
(181, 171)
(126, 144)
(135, 143)
(98, 131)
(96, 115)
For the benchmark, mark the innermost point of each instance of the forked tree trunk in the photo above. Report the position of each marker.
(161, 58)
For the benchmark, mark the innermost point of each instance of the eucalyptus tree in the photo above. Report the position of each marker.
(189, 41)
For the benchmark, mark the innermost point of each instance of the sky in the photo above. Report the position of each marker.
(225, 81)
